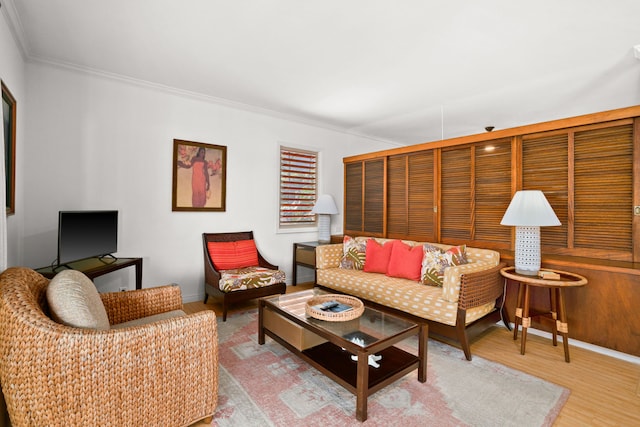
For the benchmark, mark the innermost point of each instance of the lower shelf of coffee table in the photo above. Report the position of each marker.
(330, 358)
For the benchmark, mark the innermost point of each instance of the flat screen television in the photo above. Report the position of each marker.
(86, 234)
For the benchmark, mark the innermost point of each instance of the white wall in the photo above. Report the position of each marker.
(12, 73)
(93, 142)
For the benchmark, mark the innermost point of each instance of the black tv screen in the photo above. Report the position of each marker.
(86, 234)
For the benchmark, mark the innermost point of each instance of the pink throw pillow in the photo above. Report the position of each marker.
(405, 261)
(377, 256)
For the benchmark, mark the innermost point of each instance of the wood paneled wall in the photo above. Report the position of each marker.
(456, 191)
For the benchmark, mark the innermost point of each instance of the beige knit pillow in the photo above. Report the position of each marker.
(75, 301)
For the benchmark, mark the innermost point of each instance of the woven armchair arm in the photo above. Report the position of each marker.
(131, 305)
(480, 287)
(164, 373)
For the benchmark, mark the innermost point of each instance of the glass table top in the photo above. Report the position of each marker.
(371, 327)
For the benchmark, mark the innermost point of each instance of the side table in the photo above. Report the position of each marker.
(94, 267)
(304, 254)
(556, 295)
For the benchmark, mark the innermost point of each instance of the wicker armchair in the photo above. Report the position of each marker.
(160, 374)
(213, 276)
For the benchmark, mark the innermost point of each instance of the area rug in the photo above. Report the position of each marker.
(266, 385)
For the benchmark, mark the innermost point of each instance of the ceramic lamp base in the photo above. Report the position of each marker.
(324, 228)
(527, 258)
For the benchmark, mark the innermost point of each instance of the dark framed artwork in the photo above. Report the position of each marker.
(199, 176)
(9, 124)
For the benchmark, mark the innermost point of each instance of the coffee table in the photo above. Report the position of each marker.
(328, 346)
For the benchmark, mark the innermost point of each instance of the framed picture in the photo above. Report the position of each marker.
(199, 176)
(9, 125)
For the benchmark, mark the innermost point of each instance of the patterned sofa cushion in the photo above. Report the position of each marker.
(249, 277)
(402, 294)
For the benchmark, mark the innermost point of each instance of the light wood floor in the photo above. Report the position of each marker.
(605, 391)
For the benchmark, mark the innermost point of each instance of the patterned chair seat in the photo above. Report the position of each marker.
(249, 278)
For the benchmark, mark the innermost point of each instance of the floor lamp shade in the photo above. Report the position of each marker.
(324, 208)
(528, 211)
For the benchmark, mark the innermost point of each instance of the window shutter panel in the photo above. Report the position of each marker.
(421, 202)
(492, 176)
(456, 201)
(353, 197)
(545, 168)
(298, 186)
(604, 189)
(374, 193)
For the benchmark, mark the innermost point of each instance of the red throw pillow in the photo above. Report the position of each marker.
(233, 255)
(405, 261)
(377, 256)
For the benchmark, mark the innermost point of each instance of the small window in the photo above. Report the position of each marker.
(298, 187)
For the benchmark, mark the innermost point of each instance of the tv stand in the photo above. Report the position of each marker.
(97, 266)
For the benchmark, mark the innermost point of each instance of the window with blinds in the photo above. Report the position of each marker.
(298, 187)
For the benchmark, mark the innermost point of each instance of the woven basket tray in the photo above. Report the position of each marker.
(358, 308)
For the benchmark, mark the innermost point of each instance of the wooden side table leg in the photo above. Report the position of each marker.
(526, 320)
(517, 321)
(554, 314)
(563, 327)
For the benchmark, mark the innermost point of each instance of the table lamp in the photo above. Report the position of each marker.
(324, 208)
(528, 211)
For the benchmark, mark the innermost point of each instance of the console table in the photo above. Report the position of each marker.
(556, 295)
(94, 267)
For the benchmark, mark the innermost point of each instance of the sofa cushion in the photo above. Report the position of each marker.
(354, 253)
(377, 256)
(230, 255)
(74, 301)
(435, 261)
(405, 261)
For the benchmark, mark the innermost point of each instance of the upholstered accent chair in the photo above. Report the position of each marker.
(52, 374)
(235, 271)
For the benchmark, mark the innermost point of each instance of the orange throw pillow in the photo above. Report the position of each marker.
(233, 255)
(405, 261)
(377, 256)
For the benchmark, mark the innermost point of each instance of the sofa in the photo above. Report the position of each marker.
(462, 301)
(138, 360)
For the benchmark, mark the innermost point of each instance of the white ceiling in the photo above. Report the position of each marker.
(405, 71)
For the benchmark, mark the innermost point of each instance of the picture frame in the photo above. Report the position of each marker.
(199, 176)
(9, 124)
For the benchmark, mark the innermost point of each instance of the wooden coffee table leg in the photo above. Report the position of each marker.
(362, 386)
(423, 340)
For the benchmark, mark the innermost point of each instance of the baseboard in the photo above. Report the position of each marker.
(591, 347)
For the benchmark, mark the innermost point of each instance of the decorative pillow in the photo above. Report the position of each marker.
(435, 261)
(377, 256)
(405, 261)
(75, 301)
(233, 255)
(354, 253)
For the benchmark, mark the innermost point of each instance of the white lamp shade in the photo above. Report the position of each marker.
(325, 205)
(530, 208)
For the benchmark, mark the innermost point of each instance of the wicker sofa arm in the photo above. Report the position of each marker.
(480, 287)
(329, 256)
(131, 305)
(164, 373)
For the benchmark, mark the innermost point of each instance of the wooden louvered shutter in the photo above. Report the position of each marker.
(374, 196)
(410, 196)
(492, 175)
(353, 197)
(545, 168)
(456, 195)
(603, 195)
